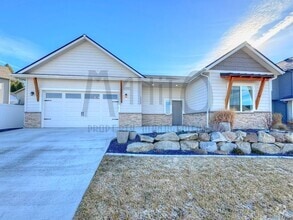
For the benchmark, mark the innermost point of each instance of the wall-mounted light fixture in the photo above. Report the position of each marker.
(32, 93)
(125, 95)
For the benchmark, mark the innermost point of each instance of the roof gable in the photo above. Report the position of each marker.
(245, 58)
(78, 57)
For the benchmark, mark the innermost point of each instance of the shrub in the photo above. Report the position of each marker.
(237, 151)
(277, 122)
(224, 116)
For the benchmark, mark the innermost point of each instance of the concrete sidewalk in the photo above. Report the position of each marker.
(45, 172)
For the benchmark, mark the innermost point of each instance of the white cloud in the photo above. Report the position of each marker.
(18, 48)
(258, 18)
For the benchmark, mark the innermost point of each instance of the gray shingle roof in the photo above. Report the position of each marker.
(286, 64)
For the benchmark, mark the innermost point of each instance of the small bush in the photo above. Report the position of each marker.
(224, 116)
(277, 122)
(280, 126)
(237, 151)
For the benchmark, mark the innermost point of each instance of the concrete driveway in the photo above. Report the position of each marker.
(45, 172)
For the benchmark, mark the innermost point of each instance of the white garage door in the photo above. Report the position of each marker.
(80, 109)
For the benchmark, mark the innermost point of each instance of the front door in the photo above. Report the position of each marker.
(176, 112)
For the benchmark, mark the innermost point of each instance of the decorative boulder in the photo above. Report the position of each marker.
(228, 147)
(230, 136)
(240, 135)
(189, 145)
(132, 135)
(122, 137)
(200, 151)
(204, 137)
(208, 146)
(167, 145)
(289, 137)
(251, 137)
(188, 136)
(244, 147)
(221, 152)
(171, 136)
(279, 136)
(266, 148)
(217, 137)
(145, 138)
(288, 148)
(139, 147)
(264, 137)
(224, 126)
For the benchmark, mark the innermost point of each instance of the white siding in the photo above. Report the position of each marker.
(82, 58)
(153, 98)
(219, 89)
(240, 61)
(196, 96)
(131, 104)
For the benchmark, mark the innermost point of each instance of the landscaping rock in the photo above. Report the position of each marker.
(208, 146)
(221, 152)
(287, 148)
(145, 138)
(217, 137)
(240, 135)
(204, 137)
(200, 151)
(228, 147)
(139, 147)
(265, 148)
(132, 135)
(224, 126)
(244, 147)
(264, 137)
(251, 137)
(280, 145)
(122, 137)
(189, 145)
(279, 136)
(230, 136)
(188, 136)
(167, 145)
(171, 136)
(289, 137)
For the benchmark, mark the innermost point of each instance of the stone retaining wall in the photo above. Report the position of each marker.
(130, 119)
(32, 119)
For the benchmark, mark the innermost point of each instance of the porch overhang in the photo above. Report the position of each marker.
(246, 77)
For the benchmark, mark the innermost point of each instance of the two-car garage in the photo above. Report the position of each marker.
(79, 109)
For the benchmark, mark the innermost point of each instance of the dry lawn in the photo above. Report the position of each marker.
(189, 188)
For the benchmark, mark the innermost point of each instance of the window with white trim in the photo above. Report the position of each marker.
(241, 98)
(53, 95)
(73, 96)
(168, 107)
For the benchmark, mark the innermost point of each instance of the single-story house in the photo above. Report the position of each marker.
(83, 84)
(283, 91)
(5, 77)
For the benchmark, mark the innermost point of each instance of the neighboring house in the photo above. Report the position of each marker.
(19, 96)
(5, 77)
(82, 84)
(283, 91)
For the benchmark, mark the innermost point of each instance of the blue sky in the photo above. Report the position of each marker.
(153, 36)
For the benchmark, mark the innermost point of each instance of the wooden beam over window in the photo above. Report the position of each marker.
(37, 91)
(260, 91)
(228, 92)
(121, 91)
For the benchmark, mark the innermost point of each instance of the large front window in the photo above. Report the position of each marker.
(241, 98)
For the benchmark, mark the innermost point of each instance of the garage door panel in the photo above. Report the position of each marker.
(71, 109)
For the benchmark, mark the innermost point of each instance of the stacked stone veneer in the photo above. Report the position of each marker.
(130, 119)
(256, 120)
(32, 119)
(156, 120)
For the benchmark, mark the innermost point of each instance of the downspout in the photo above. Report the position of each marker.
(208, 95)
